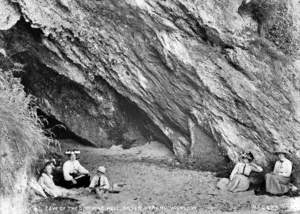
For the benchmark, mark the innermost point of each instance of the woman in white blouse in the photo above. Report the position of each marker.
(239, 177)
(75, 175)
(278, 182)
(46, 182)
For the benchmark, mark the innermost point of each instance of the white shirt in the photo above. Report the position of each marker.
(244, 169)
(73, 167)
(283, 168)
(46, 182)
(103, 184)
(37, 187)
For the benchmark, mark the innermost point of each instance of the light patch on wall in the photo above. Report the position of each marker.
(235, 141)
(173, 45)
(141, 4)
(125, 79)
(168, 132)
(142, 80)
(9, 15)
(297, 65)
(66, 69)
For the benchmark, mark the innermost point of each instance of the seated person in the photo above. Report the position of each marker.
(99, 182)
(74, 174)
(278, 182)
(239, 177)
(46, 182)
(35, 188)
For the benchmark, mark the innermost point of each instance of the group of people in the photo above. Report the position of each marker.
(73, 175)
(278, 182)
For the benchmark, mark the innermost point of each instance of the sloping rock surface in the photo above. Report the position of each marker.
(218, 73)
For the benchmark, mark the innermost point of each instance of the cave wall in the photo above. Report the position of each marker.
(211, 62)
(100, 116)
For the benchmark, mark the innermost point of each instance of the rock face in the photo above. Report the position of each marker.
(211, 75)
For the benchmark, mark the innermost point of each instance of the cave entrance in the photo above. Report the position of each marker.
(58, 130)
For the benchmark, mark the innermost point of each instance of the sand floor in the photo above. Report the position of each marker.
(155, 185)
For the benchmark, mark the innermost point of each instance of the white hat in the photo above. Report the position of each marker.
(101, 169)
(68, 152)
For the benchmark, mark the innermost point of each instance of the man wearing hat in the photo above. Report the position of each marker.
(277, 182)
(99, 182)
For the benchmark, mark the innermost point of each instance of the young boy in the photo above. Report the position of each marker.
(99, 182)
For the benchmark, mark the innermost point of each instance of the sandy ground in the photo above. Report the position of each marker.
(154, 185)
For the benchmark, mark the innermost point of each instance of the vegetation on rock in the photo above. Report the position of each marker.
(275, 23)
(21, 138)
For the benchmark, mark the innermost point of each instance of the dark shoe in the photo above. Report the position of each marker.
(259, 192)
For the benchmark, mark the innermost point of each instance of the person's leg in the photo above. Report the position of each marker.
(273, 185)
(83, 181)
(258, 183)
(67, 184)
(239, 183)
(268, 181)
(233, 184)
(58, 177)
(99, 193)
(284, 183)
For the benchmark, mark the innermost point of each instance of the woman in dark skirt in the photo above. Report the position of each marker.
(75, 175)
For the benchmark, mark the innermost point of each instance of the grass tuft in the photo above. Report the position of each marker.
(21, 136)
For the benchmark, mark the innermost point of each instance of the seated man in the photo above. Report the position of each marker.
(75, 175)
(277, 182)
(99, 182)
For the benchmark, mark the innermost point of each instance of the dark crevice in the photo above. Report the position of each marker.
(34, 33)
(58, 130)
(43, 82)
(237, 67)
(197, 28)
(136, 117)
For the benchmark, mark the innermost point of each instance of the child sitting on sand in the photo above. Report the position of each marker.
(100, 183)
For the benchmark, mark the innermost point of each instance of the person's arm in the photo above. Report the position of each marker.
(104, 183)
(234, 171)
(286, 169)
(276, 168)
(37, 188)
(43, 182)
(66, 172)
(81, 169)
(94, 182)
(256, 168)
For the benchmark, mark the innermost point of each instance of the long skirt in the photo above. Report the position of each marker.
(83, 181)
(277, 184)
(239, 183)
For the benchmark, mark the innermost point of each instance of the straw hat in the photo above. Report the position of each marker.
(101, 169)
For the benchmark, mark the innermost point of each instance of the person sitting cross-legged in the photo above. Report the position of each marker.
(99, 183)
(75, 175)
(278, 182)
